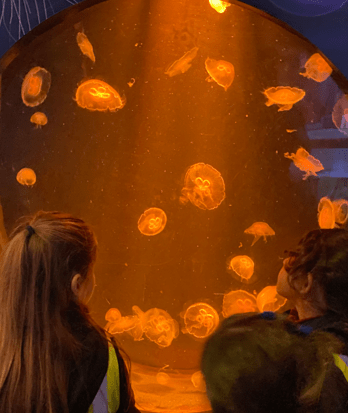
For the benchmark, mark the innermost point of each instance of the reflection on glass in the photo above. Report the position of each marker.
(94, 94)
(269, 300)
(283, 96)
(183, 64)
(259, 229)
(204, 187)
(236, 302)
(317, 68)
(326, 213)
(243, 266)
(85, 45)
(340, 114)
(26, 177)
(152, 221)
(305, 162)
(39, 118)
(35, 86)
(220, 71)
(200, 319)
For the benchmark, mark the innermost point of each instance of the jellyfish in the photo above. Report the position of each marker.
(131, 82)
(341, 211)
(85, 45)
(152, 221)
(158, 325)
(198, 381)
(219, 5)
(291, 130)
(183, 64)
(39, 118)
(242, 265)
(204, 187)
(269, 300)
(220, 71)
(162, 378)
(326, 213)
(200, 320)
(317, 68)
(283, 96)
(236, 302)
(340, 114)
(112, 315)
(116, 324)
(26, 177)
(95, 94)
(259, 229)
(35, 86)
(305, 162)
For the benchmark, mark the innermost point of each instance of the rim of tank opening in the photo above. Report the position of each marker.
(72, 13)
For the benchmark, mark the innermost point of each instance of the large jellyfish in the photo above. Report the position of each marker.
(259, 229)
(283, 96)
(269, 300)
(326, 213)
(94, 94)
(204, 187)
(242, 265)
(220, 71)
(340, 114)
(183, 64)
(35, 86)
(317, 68)
(239, 301)
(152, 221)
(116, 324)
(200, 319)
(219, 5)
(85, 45)
(158, 325)
(341, 211)
(39, 119)
(305, 162)
(26, 177)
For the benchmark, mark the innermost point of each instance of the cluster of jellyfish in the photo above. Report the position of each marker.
(332, 214)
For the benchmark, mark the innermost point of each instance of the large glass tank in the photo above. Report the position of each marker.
(198, 138)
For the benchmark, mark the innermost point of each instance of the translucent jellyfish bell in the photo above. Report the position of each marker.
(152, 221)
(242, 265)
(305, 162)
(283, 96)
(317, 68)
(26, 177)
(341, 211)
(162, 378)
(239, 301)
(35, 86)
(220, 71)
(340, 114)
(326, 213)
(183, 64)
(269, 300)
(198, 381)
(260, 229)
(85, 45)
(96, 95)
(39, 118)
(200, 320)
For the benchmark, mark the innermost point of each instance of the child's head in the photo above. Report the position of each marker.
(257, 365)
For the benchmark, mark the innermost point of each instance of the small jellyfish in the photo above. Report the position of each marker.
(95, 94)
(35, 86)
(158, 325)
(236, 302)
(317, 68)
(113, 315)
(326, 213)
(305, 162)
(183, 64)
(220, 71)
(39, 118)
(219, 5)
(200, 320)
(131, 82)
(85, 45)
(152, 221)
(259, 229)
(291, 130)
(283, 96)
(340, 114)
(341, 211)
(242, 265)
(116, 324)
(198, 381)
(26, 176)
(204, 187)
(162, 378)
(269, 300)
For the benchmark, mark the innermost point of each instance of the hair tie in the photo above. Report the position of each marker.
(268, 315)
(30, 230)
